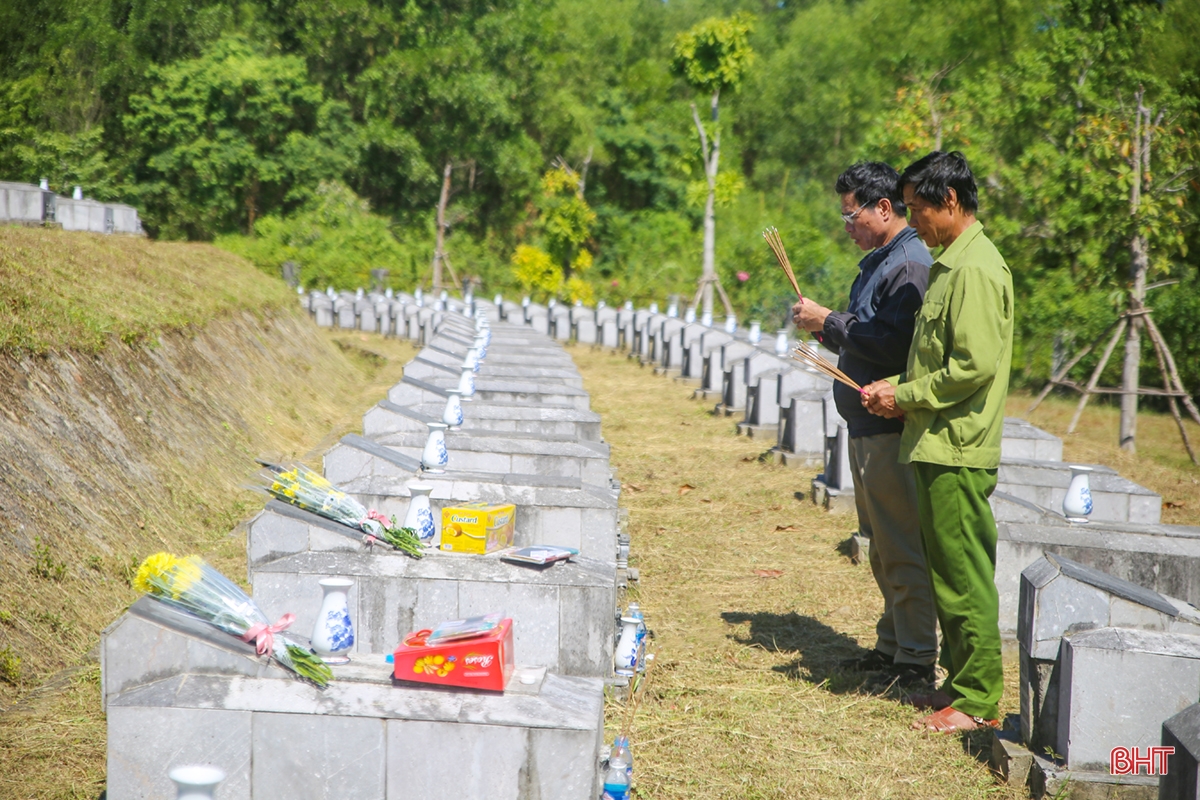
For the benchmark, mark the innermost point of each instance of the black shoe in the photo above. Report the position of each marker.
(906, 676)
(870, 661)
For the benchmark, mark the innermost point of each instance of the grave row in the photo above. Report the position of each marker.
(1101, 608)
(178, 691)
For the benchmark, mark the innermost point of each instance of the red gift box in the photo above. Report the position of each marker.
(481, 662)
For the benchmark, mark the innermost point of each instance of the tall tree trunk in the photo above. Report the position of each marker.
(439, 250)
(1139, 253)
(1139, 262)
(710, 215)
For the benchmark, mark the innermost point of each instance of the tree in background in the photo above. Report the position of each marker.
(565, 222)
(334, 238)
(710, 57)
(232, 135)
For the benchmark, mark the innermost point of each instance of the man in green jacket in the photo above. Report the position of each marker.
(952, 399)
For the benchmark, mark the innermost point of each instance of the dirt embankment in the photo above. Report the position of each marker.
(105, 458)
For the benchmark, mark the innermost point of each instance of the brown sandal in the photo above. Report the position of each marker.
(951, 720)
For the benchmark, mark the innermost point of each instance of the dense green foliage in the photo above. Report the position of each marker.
(289, 120)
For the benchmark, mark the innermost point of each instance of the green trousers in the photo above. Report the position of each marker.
(959, 535)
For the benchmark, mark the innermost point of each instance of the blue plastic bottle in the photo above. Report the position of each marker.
(616, 782)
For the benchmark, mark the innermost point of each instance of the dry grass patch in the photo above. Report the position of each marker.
(746, 701)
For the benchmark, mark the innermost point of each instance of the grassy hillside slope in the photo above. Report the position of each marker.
(137, 383)
(77, 291)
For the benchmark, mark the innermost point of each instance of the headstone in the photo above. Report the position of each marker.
(1182, 778)
(1059, 596)
(1118, 687)
(291, 273)
(801, 440)
(834, 488)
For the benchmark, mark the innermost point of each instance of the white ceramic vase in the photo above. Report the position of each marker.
(453, 413)
(672, 311)
(625, 657)
(706, 319)
(689, 316)
(333, 633)
(419, 516)
(730, 323)
(781, 343)
(466, 382)
(1078, 501)
(629, 305)
(471, 362)
(755, 335)
(435, 458)
(196, 782)
(654, 308)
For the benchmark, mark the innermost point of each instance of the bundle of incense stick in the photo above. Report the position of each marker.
(637, 688)
(776, 245)
(802, 353)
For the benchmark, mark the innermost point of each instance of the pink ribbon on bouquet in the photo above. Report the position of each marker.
(380, 518)
(263, 635)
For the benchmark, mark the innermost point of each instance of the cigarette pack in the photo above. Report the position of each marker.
(478, 527)
(479, 662)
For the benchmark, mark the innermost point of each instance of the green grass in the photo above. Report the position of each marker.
(64, 291)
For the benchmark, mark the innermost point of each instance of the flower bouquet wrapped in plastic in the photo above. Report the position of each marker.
(191, 585)
(302, 487)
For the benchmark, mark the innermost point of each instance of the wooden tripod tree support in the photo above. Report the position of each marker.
(1131, 323)
(1172, 385)
(715, 280)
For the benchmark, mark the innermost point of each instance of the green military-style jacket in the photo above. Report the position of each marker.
(954, 388)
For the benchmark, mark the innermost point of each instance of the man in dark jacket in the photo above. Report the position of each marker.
(872, 337)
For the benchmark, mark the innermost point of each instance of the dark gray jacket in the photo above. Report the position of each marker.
(873, 334)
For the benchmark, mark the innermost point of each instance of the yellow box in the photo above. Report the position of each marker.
(478, 527)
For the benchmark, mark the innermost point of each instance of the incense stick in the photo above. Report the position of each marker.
(776, 245)
(636, 689)
(802, 353)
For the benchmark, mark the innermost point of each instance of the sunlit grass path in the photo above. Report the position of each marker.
(746, 703)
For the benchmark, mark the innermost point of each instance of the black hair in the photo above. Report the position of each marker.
(933, 176)
(871, 181)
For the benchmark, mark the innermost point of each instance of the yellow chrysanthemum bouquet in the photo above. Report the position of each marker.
(192, 585)
(304, 488)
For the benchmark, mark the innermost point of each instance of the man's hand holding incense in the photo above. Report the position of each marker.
(809, 315)
(880, 398)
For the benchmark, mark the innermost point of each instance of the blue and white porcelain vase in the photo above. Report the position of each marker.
(781, 343)
(435, 458)
(452, 415)
(1077, 503)
(333, 634)
(466, 382)
(419, 516)
(196, 782)
(625, 657)
(755, 332)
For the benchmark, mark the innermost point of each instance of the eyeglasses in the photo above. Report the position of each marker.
(849, 218)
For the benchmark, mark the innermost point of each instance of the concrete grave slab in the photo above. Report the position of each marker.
(527, 454)
(550, 510)
(1116, 499)
(548, 733)
(549, 422)
(564, 615)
